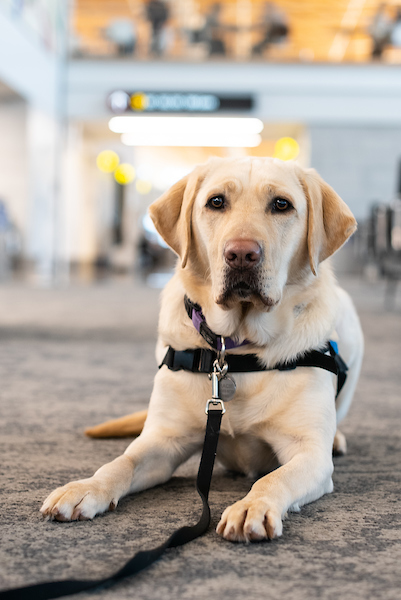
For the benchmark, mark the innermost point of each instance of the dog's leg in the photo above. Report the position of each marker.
(166, 441)
(305, 454)
(259, 515)
(150, 460)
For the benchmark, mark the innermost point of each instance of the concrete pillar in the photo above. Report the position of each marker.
(13, 163)
(41, 143)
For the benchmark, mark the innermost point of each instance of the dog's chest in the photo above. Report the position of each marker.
(246, 453)
(255, 399)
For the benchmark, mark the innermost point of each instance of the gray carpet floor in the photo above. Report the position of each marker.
(72, 358)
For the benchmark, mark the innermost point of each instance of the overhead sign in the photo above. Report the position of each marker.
(121, 102)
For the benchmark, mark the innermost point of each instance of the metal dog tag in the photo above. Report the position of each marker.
(227, 388)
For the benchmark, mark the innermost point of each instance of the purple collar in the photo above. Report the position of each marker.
(197, 317)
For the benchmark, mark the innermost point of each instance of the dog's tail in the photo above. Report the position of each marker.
(128, 426)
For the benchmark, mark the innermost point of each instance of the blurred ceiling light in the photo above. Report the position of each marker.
(188, 131)
(186, 139)
(188, 125)
(124, 174)
(143, 187)
(107, 161)
(286, 148)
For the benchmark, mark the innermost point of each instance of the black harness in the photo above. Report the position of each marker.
(201, 360)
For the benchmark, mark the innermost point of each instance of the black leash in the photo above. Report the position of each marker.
(216, 364)
(143, 559)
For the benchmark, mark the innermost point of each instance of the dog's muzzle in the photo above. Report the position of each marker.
(243, 280)
(243, 286)
(242, 255)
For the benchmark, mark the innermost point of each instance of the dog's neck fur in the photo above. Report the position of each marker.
(303, 319)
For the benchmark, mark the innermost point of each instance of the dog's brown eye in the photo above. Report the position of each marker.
(216, 202)
(280, 204)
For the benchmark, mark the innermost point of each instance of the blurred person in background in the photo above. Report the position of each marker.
(212, 31)
(274, 26)
(157, 13)
(122, 33)
(380, 31)
(10, 243)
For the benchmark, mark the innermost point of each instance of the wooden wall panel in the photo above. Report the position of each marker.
(320, 30)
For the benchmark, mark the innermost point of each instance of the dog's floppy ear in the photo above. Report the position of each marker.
(330, 221)
(172, 213)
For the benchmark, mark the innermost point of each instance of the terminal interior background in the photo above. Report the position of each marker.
(316, 81)
(319, 79)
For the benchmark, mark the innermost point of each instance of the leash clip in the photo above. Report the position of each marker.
(217, 373)
(213, 404)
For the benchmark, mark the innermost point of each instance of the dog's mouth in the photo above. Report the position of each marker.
(243, 287)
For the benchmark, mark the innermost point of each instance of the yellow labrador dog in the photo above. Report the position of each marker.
(253, 236)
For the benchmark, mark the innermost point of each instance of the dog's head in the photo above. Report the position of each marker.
(247, 227)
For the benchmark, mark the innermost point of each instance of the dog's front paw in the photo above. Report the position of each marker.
(250, 520)
(78, 500)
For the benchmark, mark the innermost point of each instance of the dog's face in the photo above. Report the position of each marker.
(249, 218)
(250, 226)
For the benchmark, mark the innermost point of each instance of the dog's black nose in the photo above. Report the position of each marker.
(242, 254)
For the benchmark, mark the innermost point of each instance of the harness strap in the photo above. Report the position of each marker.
(143, 559)
(200, 360)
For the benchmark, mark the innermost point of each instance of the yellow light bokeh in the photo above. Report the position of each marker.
(139, 101)
(124, 174)
(143, 187)
(286, 148)
(107, 161)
